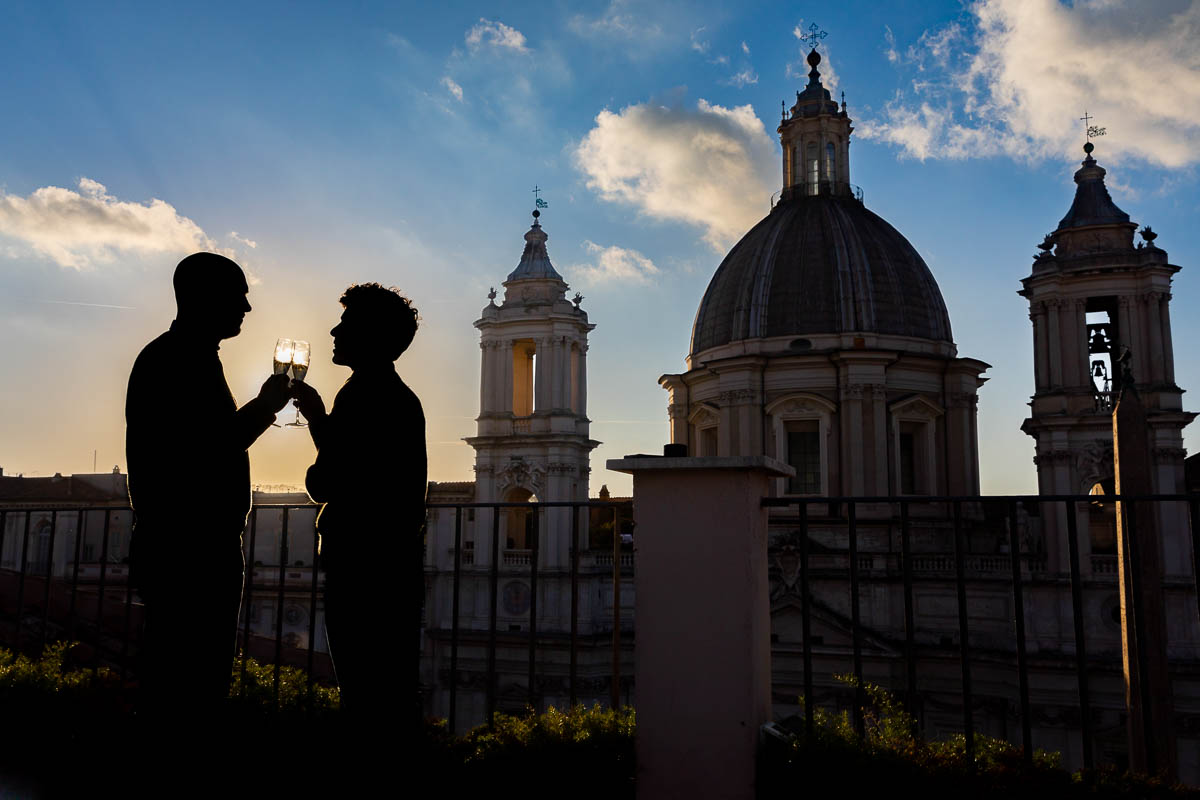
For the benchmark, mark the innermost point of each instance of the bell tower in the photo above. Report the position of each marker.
(532, 438)
(815, 136)
(1093, 295)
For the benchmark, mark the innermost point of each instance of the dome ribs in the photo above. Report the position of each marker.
(820, 265)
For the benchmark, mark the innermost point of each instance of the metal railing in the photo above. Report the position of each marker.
(54, 594)
(530, 567)
(1022, 570)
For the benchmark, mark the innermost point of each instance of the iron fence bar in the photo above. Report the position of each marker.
(283, 559)
(964, 650)
(312, 611)
(248, 601)
(805, 620)
(493, 580)
(79, 528)
(21, 582)
(125, 626)
(574, 657)
(910, 652)
(533, 574)
(614, 692)
(454, 618)
(49, 575)
(103, 584)
(855, 627)
(1085, 703)
(1014, 552)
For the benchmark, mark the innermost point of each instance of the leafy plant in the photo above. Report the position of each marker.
(258, 690)
(890, 757)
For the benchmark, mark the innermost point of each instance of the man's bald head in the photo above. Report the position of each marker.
(210, 293)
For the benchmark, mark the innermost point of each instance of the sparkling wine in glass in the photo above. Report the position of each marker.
(284, 348)
(301, 353)
(283, 359)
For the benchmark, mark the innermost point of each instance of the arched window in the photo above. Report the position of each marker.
(519, 522)
(802, 423)
(523, 371)
(830, 163)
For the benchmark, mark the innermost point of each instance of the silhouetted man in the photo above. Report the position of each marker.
(370, 475)
(189, 483)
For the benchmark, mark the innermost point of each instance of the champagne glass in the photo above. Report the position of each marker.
(284, 348)
(301, 353)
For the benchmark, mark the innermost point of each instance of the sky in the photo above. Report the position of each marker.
(326, 144)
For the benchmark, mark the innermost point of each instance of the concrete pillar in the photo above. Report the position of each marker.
(1150, 712)
(703, 660)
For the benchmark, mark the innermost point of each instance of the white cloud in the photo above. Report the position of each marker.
(619, 21)
(453, 88)
(698, 44)
(712, 167)
(745, 48)
(237, 237)
(80, 229)
(742, 79)
(1017, 79)
(614, 263)
(493, 33)
(893, 55)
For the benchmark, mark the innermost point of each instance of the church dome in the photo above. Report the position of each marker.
(820, 264)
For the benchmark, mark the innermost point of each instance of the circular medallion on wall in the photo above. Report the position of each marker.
(516, 597)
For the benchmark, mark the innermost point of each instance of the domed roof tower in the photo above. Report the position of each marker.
(820, 262)
(823, 340)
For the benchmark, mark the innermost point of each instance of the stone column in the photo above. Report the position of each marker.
(1153, 304)
(1055, 340)
(506, 350)
(1041, 369)
(583, 379)
(854, 456)
(1168, 352)
(703, 660)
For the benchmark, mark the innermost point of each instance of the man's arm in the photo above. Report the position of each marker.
(252, 420)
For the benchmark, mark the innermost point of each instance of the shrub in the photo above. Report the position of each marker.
(258, 691)
(586, 752)
(890, 757)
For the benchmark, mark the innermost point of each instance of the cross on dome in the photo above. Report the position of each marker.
(814, 36)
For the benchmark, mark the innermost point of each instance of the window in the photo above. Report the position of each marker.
(913, 448)
(830, 162)
(801, 423)
(908, 463)
(814, 168)
(708, 442)
(804, 455)
(523, 378)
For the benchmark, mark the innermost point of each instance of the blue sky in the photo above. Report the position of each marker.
(322, 145)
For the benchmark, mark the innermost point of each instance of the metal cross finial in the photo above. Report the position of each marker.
(814, 36)
(1091, 130)
(537, 201)
(535, 191)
